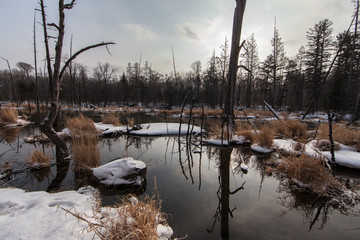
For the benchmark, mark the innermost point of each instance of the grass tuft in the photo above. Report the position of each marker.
(341, 134)
(132, 219)
(265, 137)
(310, 171)
(38, 160)
(84, 142)
(294, 129)
(111, 119)
(8, 115)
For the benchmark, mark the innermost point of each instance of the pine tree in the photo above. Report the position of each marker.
(251, 62)
(319, 50)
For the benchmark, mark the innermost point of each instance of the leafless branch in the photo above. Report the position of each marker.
(244, 67)
(55, 26)
(69, 5)
(79, 52)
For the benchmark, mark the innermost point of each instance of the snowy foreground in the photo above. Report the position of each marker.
(39, 215)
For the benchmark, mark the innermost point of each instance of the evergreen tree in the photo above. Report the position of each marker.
(319, 50)
(251, 62)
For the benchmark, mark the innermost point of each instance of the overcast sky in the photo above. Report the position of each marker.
(150, 27)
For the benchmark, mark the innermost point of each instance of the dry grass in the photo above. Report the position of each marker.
(341, 134)
(216, 132)
(6, 167)
(86, 153)
(311, 172)
(131, 220)
(8, 115)
(84, 142)
(130, 122)
(325, 145)
(38, 160)
(265, 137)
(79, 125)
(10, 134)
(111, 119)
(259, 113)
(244, 129)
(294, 129)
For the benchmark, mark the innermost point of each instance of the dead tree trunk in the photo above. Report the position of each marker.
(234, 57)
(55, 75)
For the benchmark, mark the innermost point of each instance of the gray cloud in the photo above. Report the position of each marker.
(187, 32)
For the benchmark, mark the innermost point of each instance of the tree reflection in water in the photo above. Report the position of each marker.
(223, 210)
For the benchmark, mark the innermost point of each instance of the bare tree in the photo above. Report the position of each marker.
(234, 57)
(55, 73)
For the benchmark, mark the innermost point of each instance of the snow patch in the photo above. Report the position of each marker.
(121, 171)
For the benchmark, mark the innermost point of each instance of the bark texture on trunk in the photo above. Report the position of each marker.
(234, 57)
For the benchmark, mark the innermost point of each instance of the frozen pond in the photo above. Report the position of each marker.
(205, 194)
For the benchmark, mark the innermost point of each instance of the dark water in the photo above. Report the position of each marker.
(206, 196)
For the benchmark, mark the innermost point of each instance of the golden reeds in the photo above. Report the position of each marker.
(38, 160)
(132, 219)
(111, 119)
(265, 137)
(294, 129)
(311, 172)
(340, 134)
(84, 142)
(8, 115)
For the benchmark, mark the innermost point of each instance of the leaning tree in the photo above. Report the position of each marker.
(55, 71)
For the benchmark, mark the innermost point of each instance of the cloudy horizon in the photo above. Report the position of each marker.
(150, 28)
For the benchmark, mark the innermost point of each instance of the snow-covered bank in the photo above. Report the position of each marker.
(345, 156)
(121, 171)
(39, 215)
(148, 129)
(19, 123)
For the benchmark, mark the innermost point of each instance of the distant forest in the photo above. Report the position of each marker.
(282, 81)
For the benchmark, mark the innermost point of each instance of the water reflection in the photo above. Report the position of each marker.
(223, 209)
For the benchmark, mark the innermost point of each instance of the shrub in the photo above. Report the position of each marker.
(8, 115)
(38, 160)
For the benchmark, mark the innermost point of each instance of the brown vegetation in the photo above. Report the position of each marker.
(8, 115)
(81, 124)
(38, 160)
(111, 119)
(132, 220)
(244, 129)
(10, 134)
(294, 129)
(84, 142)
(311, 172)
(265, 137)
(341, 134)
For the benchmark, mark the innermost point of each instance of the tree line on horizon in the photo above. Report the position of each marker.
(282, 81)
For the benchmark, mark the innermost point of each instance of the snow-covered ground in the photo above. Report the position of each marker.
(39, 215)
